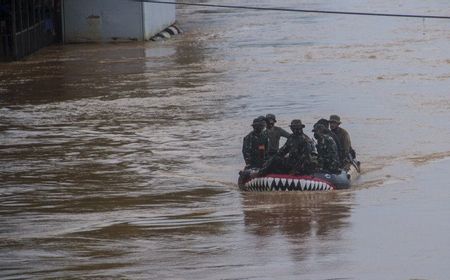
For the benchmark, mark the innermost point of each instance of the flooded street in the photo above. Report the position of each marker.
(120, 161)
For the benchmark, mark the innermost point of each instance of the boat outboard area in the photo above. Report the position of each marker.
(323, 163)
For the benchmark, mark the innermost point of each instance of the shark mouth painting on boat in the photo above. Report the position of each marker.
(277, 182)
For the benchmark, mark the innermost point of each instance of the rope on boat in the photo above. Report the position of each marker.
(297, 10)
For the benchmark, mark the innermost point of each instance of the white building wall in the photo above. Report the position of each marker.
(157, 17)
(114, 20)
(102, 20)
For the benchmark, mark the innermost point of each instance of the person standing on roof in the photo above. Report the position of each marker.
(274, 133)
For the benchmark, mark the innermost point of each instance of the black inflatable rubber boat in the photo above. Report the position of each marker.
(320, 181)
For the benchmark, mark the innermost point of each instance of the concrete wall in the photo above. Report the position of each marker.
(102, 20)
(157, 17)
(114, 20)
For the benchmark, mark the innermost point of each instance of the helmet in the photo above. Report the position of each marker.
(297, 123)
(258, 122)
(261, 118)
(335, 118)
(271, 117)
(323, 122)
(319, 128)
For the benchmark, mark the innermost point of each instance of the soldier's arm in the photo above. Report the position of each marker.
(311, 144)
(266, 144)
(246, 150)
(333, 148)
(285, 149)
(284, 133)
(346, 143)
(334, 154)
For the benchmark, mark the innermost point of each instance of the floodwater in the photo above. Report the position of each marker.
(120, 161)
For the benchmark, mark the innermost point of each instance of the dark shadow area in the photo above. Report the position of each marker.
(26, 26)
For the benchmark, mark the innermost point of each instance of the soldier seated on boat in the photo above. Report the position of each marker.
(255, 145)
(326, 123)
(295, 157)
(328, 159)
(274, 133)
(346, 152)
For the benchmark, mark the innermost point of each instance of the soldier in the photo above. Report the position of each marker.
(326, 124)
(346, 151)
(274, 133)
(298, 150)
(327, 150)
(255, 145)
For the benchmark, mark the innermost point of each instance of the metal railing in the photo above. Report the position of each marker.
(31, 39)
(5, 47)
(30, 26)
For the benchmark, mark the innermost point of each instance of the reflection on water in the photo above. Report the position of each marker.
(120, 160)
(299, 215)
(311, 222)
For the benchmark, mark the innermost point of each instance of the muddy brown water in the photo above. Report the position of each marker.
(119, 161)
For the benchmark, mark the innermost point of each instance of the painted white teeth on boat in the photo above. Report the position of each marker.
(268, 183)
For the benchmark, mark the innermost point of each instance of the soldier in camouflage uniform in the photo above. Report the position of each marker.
(326, 123)
(327, 150)
(274, 133)
(255, 145)
(346, 152)
(295, 157)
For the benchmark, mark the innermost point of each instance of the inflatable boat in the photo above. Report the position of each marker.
(320, 181)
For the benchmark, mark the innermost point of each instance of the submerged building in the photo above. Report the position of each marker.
(28, 25)
(114, 20)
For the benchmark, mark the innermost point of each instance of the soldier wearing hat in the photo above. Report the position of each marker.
(274, 133)
(346, 152)
(326, 123)
(295, 157)
(255, 145)
(328, 159)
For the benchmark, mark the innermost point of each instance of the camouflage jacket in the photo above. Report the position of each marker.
(327, 154)
(254, 149)
(345, 145)
(274, 134)
(299, 151)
